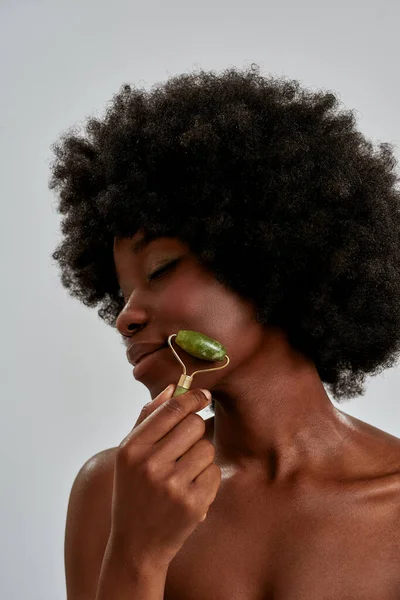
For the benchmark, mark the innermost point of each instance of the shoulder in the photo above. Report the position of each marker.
(92, 489)
(372, 459)
(377, 442)
(88, 523)
(91, 492)
(95, 475)
(98, 467)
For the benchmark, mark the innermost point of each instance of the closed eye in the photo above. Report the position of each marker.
(155, 275)
(160, 272)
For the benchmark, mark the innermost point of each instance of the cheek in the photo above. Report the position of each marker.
(231, 319)
(213, 309)
(182, 302)
(198, 301)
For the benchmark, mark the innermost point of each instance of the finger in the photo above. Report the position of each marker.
(150, 407)
(164, 418)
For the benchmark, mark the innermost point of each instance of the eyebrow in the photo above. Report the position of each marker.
(136, 247)
(139, 245)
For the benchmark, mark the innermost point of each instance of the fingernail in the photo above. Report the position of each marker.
(168, 389)
(207, 393)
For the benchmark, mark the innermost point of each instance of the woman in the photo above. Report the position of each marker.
(251, 210)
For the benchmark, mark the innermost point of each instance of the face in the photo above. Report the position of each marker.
(166, 290)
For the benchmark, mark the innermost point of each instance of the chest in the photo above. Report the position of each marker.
(312, 545)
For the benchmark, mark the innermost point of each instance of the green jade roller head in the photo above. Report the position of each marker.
(199, 346)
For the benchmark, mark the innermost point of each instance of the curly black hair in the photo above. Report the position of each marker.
(269, 184)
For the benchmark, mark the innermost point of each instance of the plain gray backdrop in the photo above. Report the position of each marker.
(67, 390)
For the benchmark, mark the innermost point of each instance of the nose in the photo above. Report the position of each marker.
(131, 318)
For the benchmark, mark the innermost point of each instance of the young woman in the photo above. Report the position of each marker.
(251, 210)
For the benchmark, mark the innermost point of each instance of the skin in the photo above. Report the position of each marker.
(308, 505)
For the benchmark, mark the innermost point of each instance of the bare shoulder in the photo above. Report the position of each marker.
(100, 466)
(377, 436)
(93, 487)
(88, 524)
(375, 451)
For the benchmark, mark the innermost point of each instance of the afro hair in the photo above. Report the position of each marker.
(273, 189)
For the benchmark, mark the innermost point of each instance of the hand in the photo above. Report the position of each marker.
(165, 479)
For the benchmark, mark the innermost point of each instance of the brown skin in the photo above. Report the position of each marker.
(308, 505)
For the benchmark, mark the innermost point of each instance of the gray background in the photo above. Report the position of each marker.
(67, 391)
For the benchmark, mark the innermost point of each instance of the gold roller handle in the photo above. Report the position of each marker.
(185, 380)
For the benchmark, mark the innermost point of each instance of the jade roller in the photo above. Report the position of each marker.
(200, 346)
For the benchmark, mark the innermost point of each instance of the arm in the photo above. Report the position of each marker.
(93, 570)
(116, 582)
(88, 525)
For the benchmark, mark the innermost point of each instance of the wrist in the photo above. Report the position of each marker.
(122, 579)
(137, 565)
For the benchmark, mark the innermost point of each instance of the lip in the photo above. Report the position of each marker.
(137, 352)
(145, 362)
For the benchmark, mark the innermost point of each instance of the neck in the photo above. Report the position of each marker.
(273, 416)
